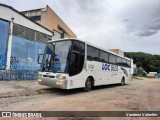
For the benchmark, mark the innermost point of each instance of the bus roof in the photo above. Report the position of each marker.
(88, 43)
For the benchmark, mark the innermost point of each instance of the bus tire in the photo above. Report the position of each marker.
(123, 81)
(88, 85)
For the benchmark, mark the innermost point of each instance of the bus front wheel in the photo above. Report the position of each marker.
(88, 85)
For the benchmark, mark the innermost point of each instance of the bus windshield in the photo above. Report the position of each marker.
(56, 57)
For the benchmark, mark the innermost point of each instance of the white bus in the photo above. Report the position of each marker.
(72, 63)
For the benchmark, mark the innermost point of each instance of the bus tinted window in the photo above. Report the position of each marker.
(78, 46)
(92, 53)
(118, 60)
(103, 56)
(112, 58)
(129, 63)
(124, 62)
(81, 47)
(75, 45)
(77, 58)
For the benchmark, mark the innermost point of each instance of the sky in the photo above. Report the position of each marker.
(129, 25)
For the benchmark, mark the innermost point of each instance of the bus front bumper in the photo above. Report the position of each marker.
(53, 82)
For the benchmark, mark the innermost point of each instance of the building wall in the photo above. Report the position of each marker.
(37, 12)
(21, 40)
(53, 21)
(56, 35)
(157, 75)
(24, 54)
(4, 26)
(117, 51)
(50, 20)
(19, 19)
(152, 73)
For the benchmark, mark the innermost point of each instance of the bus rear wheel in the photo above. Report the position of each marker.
(88, 85)
(123, 81)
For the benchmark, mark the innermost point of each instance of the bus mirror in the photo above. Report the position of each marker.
(40, 58)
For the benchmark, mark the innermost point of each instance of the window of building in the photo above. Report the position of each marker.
(60, 28)
(29, 34)
(35, 18)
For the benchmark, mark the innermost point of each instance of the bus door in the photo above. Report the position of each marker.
(77, 58)
(74, 63)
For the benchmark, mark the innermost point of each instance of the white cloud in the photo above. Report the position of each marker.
(130, 25)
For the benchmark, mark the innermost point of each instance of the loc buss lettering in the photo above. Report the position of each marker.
(109, 67)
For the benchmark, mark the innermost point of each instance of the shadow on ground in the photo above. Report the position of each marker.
(78, 90)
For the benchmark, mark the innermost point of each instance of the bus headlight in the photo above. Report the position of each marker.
(39, 80)
(58, 83)
(61, 77)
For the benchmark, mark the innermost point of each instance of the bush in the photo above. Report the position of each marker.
(141, 72)
(144, 74)
(150, 76)
(136, 78)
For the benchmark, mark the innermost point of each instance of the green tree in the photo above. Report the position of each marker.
(150, 63)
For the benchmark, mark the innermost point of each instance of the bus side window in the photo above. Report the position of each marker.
(103, 56)
(124, 62)
(92, 53)
(129, 63)
(118, 60)
(89, 53)
(112, 58)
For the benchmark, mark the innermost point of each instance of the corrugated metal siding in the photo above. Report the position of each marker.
(29, 34)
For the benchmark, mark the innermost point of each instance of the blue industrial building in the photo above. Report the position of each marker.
(21, 40)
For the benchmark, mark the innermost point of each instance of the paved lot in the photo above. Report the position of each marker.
(29, 96)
